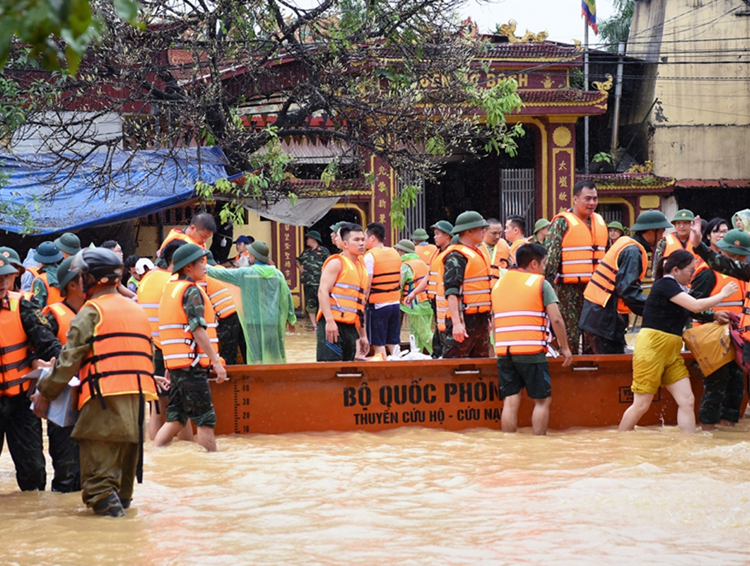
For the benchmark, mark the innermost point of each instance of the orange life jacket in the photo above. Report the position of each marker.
(179, 234)
(119, 362)
(601, 286)
(499, 257)
(53, 293)
(730, 304)
(520, 320)
(420, 270)
(150, 292)
(582, 247)
(426, 252)
(674, 244)
(221, 298)
(386, 276)
(34, 271)
(514, 246)
(475, 291)
(14, 348)
(348, 292)
(432, 278)
(63, 315)
(437, 271)
(177, 342)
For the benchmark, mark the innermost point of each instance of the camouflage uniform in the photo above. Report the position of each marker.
(571, 296)
(312, 261)
(477, 345)
(21, 428)
(189, 393)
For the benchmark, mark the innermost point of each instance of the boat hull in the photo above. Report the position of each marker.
(445, 394)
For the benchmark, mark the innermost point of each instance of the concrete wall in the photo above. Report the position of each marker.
(148, 240)
(701, 76)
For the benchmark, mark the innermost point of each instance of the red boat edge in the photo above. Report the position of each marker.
(445, 394)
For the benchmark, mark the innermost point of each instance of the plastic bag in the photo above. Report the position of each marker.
(711, 344)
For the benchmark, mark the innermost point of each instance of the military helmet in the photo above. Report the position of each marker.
(420, 235)
(468, 221)
(12, 257)
(69, 243)
(541, 224)
(617, 226)
(6, 268)
(185, 255)
(735, 242)
(65, 275)
(48, 253)
(405, 246)
(650, 220)
(443, 226)
(101, 264)
(683, 215)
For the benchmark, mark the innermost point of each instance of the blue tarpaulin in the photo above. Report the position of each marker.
(137, 183)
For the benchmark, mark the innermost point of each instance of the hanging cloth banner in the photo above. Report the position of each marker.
(304, 212)
(589, 11)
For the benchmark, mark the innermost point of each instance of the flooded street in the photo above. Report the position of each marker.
(409, 496)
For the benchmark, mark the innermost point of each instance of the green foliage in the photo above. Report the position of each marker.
(330, 172)
(40, 23)
(603, 157)
(405, 200)
(616, 29)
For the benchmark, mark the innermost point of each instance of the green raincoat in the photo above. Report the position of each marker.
(265, 306)
(420, 314)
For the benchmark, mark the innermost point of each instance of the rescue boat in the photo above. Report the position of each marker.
(446, 394)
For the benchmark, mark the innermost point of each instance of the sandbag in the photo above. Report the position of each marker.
(711, 344)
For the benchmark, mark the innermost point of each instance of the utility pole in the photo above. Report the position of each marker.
(586, 87)
(618, 96)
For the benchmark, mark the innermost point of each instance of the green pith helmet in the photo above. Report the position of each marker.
(13, 258)
(259, 250)
(6, 268)
(210, 259)
(69, 243)
(185, 255)
(683, 215)
(48, 253)
(617, 226)
(315, 235)
(420, 235)
(336, 227)
(650, 220)
(735, 242)
(468, 221)
(443, 226)
(541, 224)
(405, 246)
(65, 275)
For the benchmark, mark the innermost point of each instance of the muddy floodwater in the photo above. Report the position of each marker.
(409, 496)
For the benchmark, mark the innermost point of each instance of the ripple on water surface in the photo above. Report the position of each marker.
(410, 496)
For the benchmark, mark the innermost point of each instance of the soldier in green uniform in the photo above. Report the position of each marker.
(18, 424)
(189, 392)
(467, 335)
(48, 256)
(540, 231)
(310, 264)
(109, 429)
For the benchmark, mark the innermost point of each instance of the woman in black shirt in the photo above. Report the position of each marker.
(656, 359)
